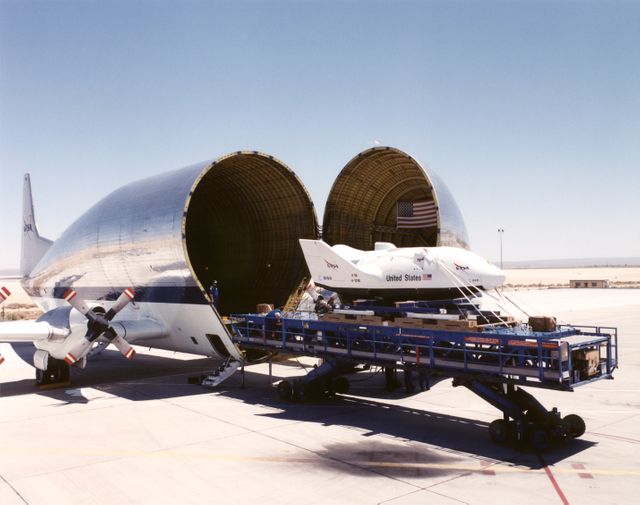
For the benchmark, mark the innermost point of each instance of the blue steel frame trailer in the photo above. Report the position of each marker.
(493, 362)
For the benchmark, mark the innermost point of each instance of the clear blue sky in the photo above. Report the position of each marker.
(530, 111)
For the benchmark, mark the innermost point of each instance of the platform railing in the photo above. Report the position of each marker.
(523, 358)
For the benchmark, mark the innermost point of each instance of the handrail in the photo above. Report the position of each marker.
(547, 360)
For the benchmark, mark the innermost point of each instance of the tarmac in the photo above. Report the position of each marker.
(136, 432)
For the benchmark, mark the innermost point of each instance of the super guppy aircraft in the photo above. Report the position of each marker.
(134, 269)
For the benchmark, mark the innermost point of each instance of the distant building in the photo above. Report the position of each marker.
(589, 283)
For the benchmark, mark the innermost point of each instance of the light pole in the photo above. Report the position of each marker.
(500, 232)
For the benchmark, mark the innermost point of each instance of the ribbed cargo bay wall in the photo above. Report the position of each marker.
(361, 208)
(244, 218)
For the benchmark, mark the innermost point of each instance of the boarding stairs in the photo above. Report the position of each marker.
(226, 369)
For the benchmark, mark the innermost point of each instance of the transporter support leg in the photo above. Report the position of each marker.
(327, 379)
(525, 420)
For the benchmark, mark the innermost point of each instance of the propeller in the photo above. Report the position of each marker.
(98, 325)
(4, 294)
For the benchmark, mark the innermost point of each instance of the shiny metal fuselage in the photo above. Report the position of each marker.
(134, 237)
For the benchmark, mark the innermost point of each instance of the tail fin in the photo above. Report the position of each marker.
(327, 267)
(34, 246)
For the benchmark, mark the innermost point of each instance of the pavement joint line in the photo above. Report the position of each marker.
(48, 416)
(338, 460)
(612, 423)
(14, 489)
(465, 469)
(391, 500)
(615, 437)
(246, 430)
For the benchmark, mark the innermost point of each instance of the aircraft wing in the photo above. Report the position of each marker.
(33, 331)
(30, 331)
(63, 336)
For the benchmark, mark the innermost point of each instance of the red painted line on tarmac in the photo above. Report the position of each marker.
(553, 480)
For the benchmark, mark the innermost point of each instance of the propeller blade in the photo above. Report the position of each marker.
(80, 305)
(4, 294)
(80, 350)
(122, 301)
(121, 344)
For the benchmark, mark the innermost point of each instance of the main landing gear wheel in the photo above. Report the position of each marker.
(57, 372)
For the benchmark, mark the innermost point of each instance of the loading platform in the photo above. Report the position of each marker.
(492, 360)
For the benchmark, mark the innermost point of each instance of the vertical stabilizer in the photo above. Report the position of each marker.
(34, 246)
(325, 264)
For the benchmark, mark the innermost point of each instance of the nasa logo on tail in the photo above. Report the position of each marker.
(461, 267)
(331, 265)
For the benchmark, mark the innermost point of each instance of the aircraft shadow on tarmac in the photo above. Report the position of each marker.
(155, 378)
(104, 370)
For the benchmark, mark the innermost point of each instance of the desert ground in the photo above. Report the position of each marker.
(618, 277)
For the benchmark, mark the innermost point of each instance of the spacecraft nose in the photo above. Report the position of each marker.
(495, 277)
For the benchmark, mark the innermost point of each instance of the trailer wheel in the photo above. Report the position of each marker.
(285, 391)
(574, 425)
(340, 385)
(540, 439)
(297, 392)
(499, 431)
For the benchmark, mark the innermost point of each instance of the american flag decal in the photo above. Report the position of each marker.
(417, 214)
(426, 277)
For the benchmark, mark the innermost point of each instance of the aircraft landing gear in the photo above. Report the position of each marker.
(57, 372)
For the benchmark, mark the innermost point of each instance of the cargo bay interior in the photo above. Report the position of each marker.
(361, 208)
(243, 223)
